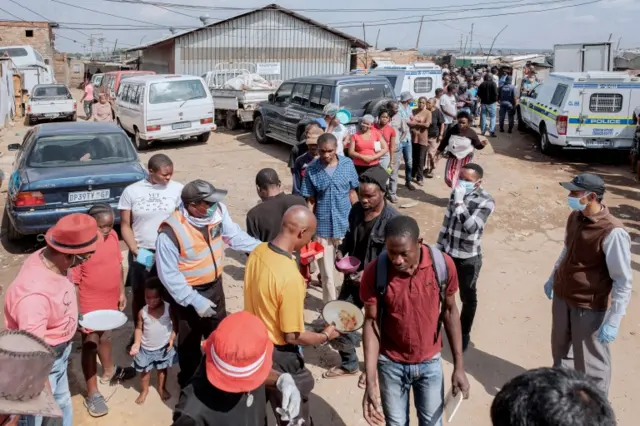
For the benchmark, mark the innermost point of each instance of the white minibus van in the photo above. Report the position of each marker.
(35, 69)
(419, 78)
(164, 107)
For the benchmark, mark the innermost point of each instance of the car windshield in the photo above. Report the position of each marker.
(176, 91)
(50, 92)
(84, 149)
(355, 97)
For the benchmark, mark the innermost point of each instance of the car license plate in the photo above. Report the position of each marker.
(82, 196)
(184, 125)
(54, 115)
(594, 143)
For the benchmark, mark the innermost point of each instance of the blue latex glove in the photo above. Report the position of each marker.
(608, 333)
(145, 257)
(548, 289)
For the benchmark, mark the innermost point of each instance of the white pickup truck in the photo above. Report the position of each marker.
(51, 102)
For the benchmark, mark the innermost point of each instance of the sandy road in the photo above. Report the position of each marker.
(523, 240)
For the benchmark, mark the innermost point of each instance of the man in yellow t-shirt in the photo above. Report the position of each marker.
(274, 291)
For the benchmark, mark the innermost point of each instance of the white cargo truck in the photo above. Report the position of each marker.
(583, 57)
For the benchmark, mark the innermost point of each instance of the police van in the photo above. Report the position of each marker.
(419, 78)
(585, 110)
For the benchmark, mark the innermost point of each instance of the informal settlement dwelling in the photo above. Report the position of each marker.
(281, 42)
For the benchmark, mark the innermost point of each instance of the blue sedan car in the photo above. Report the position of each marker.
(63, 168)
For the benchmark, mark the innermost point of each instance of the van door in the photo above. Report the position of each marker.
(605, 115)
(274, 113)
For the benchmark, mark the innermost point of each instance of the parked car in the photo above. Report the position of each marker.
(63, 168)
(110, 84)
(51, 102)
(298, 101)
(97, 80)
(164, 108)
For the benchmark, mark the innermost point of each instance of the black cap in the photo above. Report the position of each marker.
(201, 190)
(377, 175)
(585, 182)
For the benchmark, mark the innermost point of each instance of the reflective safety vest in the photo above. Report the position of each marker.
(200, 260)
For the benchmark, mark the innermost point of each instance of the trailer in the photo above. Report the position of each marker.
(237, 90)
(583, 57)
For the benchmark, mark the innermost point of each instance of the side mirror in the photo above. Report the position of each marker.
(14, 146)
(272, 98)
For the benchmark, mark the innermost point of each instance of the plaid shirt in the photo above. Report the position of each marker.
(463, 225)
(331, 194)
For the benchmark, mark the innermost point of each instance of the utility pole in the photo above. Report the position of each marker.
(461, 38)
(419, 31)
(618, 46)
(366, 51)
(377, 37)
(471, 41)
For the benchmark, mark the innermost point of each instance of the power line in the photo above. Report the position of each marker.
(11, 14)
(103, 13)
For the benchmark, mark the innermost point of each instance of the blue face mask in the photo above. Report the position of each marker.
(574, 203)
(211, 210)
(468, 186)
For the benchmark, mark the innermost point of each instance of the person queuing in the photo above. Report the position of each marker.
(368, 145)
(402, 151)
(263, 220)
(448, 105)
(593, 268)
(461, 237)
(364, 241)
(551, 397)
(303, 161)
(390, 137)
(406, 110)
(229, 386)
(329, 187)
(435, 134)
(87, 99)
(274, 291)
(408, 313)
(508, 102)
(459, 144)
(488, 95)
(337, 129)
(143, 206)
(26, 360)
(315, 126)
(42, 300)
(189, 257)
(100, 285)
(419, 124)
(101, 110)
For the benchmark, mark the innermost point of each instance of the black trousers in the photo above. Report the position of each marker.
(346, 343)
(287, 359)
(468, 272)
(419, 160)
(192, 329)
(137, 276)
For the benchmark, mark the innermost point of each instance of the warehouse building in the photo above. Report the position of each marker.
(282, 44)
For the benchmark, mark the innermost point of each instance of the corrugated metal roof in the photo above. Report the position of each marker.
(356, 42)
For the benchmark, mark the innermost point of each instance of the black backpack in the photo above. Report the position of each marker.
(442, 276)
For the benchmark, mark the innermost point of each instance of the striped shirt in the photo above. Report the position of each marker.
(463, 225)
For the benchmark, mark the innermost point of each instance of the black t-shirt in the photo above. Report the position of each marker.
(264, 220)
(201, 404)
(437, 118)
(296, 151)
(363, 231)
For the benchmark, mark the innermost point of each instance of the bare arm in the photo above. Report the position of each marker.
(308, 338)
(371, 339)
(353, 196)
(311, 203)
(137, 336)
(272, 378)
(454, 335)
(174, 324)
(127, 231)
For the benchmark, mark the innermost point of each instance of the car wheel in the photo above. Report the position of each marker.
(545, 146)
(74, 117)
(204, 137)
(141, 144)
(522, 126)
(259, 130)
(9, 230)
(231, 120)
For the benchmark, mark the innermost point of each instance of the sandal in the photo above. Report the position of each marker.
(336, 372)
(120, 375)
(96, 405)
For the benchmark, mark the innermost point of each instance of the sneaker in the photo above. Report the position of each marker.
(466, 338)
(96, 405)
(493, 135)
(510, 131)
(501, 130)
(419, 183)
(410, 186)
(392, 199)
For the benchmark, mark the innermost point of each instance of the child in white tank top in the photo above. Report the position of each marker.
(155, 334)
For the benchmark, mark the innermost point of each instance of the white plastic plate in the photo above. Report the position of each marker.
(331, 314)
(451, 405)
(103, 320)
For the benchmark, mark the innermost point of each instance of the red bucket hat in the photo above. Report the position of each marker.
(239, 354)
(76, 233)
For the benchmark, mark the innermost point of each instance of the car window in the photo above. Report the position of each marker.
(84, 149)
(356, 96)
(422, 85)
(392, 79)
(284, 93)
(133, 94)
(605, 102)
(141, 95)
(535, 91)
(111, 82)
(176, 91)
(50, 92)
(301, 94)
(123, 93)
(558, 95)
(320, 96)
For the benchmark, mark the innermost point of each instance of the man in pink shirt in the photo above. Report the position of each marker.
(42, 299)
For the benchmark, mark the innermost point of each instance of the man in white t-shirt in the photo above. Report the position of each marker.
(143, 206)
(448, 104)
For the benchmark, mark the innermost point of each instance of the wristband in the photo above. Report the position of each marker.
(326, 335)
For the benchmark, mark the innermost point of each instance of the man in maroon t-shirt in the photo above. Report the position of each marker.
(406, 352)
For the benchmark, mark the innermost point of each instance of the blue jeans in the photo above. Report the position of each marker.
(427, 381)
(491, 110)
(60, 387)
(406, 150)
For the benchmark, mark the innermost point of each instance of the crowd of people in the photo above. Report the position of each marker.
(344, 185)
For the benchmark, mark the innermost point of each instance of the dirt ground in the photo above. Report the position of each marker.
(521, 244)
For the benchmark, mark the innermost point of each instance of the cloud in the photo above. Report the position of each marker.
(584, 19)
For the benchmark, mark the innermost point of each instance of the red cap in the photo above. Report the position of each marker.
(239, 354)
(76, 233)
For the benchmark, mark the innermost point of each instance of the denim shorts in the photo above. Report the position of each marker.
(159, 359)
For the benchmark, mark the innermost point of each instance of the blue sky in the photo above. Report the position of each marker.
(586, 23)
